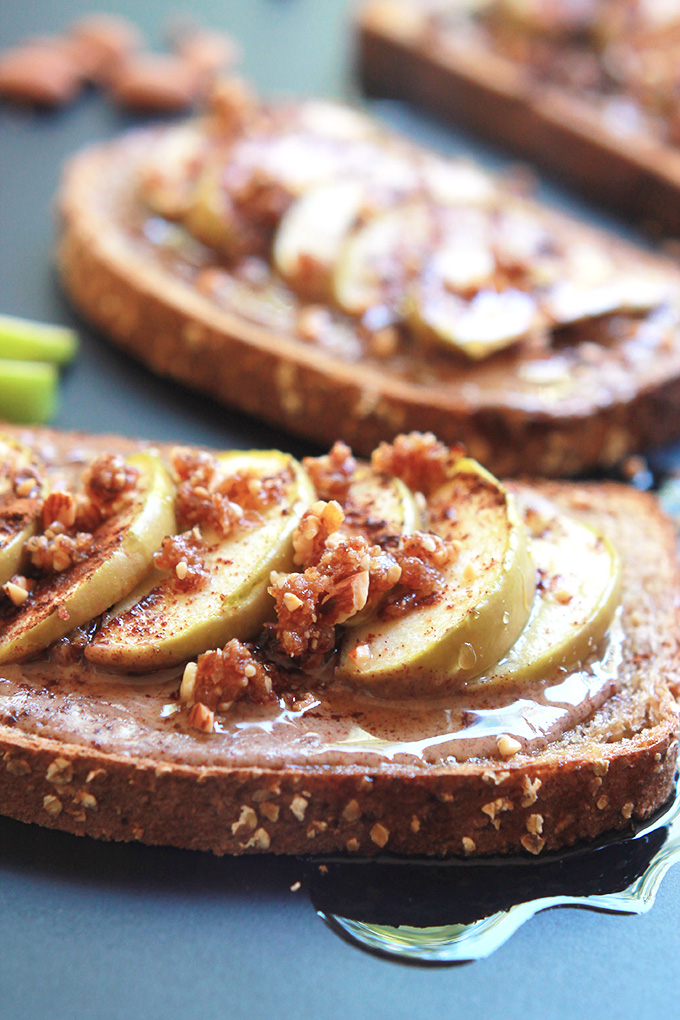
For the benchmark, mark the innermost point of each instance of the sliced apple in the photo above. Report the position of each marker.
(476, 328)
(580, 590)
(22, 488)
(372, 264)
(380, 504)
(208, 213)
(167, 176)
(311, 233)
(162, 624)
(485, 603)
(124, 547)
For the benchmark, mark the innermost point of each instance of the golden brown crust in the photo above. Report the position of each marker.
(619, 765)
(488, 93)
(179, 333)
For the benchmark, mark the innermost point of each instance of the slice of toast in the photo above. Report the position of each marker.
(110, 756)
(562, 399)
(606, 143)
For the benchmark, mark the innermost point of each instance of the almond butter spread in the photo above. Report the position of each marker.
(448, 625)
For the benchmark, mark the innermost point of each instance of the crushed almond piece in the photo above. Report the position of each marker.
(201, 718)
(296, 886)
(469, 845)
(627, 809)
(535, 824)
(508, 746)
(16, 593)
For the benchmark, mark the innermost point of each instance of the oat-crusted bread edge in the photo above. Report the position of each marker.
(618, 766)
(180, 334)
(491, 95)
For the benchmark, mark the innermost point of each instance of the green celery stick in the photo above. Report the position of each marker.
(28, 391)
(36, 341)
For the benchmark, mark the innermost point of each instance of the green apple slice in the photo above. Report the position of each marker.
(311, 233)
(476, 328)
(208, 213)
(20, 502)
(485, 604)
(125, 544)
(160, 624)
(372, 261)
(378, 505)
(167, 177)
(579, 593)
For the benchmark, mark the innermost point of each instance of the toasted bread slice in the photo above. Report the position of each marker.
(527, 376)
(608, 144)
(100, 755)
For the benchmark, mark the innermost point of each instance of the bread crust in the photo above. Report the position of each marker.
(619, 765)
(488, 93)
(164, 321)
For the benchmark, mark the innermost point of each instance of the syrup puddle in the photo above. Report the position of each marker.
(455, 911)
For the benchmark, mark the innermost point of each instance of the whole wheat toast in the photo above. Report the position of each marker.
(561, 399)
(102, 755)
(614, 145)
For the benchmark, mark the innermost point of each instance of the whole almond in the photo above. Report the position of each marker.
(39, 75)
(209, 52)
(105, 41)
(157, 83)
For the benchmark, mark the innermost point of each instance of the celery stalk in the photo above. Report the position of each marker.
(28, 391)
(36, 341)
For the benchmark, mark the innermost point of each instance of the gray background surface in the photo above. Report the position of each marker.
(90, 930)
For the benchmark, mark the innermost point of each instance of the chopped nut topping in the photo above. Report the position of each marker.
(332, 473)
(419, 459)
(415, 823)
(183, 554)
(207, 496)
(352, 845)
(603, 802)
(17, 590)
(201, 718)
(223, 676)
(508, 746)
(469, 845)
(18, 767)
(627, 809)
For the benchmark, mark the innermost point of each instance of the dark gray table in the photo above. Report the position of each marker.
(90, 930)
